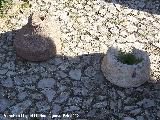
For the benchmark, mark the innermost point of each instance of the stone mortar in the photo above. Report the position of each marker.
(125, 75)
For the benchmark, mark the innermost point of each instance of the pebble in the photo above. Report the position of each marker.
(7, 82)
(62, 97)
(9, 65)
(22, 95)
(90, 71)
(62, 74)
(128, 118)
(56, 109)
(87, 103)
(136, 111)
(71, 108)
(75, 101)
(49, 93)
(140, 118)
(42, 106)
(146, 103)
(75, 74)
(46, 83)
(20, 107)
(3, 71)
(100, 104)
(3, 104)
(72, 81)
(3, 118)
(36, 96)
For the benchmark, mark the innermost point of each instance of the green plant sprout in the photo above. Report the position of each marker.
(127, 58)
(2, 3)
(5, 5)
(25, 4)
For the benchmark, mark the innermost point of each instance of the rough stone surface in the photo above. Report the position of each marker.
(56, 109)
(38, 40)
(75, 74)
(128, 118)
(20, 107)
(88, 28)
(125, 75)
(46, 83)
(49, 94)
(3, 104)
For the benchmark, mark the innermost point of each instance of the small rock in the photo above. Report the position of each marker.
(158, 113)
(136, 111)
(99, 78)
(75, 101)
(62, 97)
(9, 36)
(75, 74)
(87, 103)
(7, 82)
(27, 80)
(64, 66)
(42, 106)
(77, 90)
(71, 108)
(3, 71)
(3, 104)
(61, 88)
(57, 61)
(37, 96)
(90, 71)
(101, 97)
(77, 83)
(128, 118)
(130, 108)
(19, 88)
(10, 73)
(112, 105)
(92, 113)
(22, 95)
(87, 59)
(121, 94)
(20, 107)
(62, 74)
(46, 83)
(3, 118)
(32, 87)
(49, 93)
(100, 104)
(147, 103)
(56, 109)
(9, 65)
(119, 104)
(84, 91)
(140, 118)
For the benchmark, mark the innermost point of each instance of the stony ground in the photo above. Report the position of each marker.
(72, 82)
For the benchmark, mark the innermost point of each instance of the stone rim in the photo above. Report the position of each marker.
(109, 65)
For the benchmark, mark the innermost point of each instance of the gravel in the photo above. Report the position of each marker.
(69, 82)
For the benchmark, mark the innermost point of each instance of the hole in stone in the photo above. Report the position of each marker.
(42, 18)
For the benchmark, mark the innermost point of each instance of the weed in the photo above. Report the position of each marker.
(4, 4)
(128, 58)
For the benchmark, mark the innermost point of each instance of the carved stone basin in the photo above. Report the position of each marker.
(125, 75)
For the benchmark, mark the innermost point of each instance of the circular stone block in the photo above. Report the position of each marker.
(124, 75)
(39, 40)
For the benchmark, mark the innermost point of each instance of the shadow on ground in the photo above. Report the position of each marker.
(150, 6)
(87, 83)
